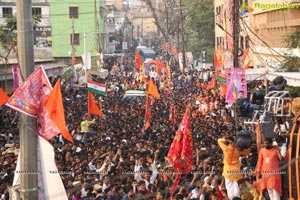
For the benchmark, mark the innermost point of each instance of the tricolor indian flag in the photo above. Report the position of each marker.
(96, 88)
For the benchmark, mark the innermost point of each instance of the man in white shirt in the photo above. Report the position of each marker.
(149, 175)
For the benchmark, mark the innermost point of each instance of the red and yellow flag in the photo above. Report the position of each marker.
(181, 145)
(187, 143)
(54, 105)
(180, 154)
(152, 90)
(147, 114)
(3, 97)
(92, 107)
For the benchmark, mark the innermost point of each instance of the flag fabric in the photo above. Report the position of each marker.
(54, 106)
(172, 114)
(147, 114)
(15, 71)
(138, 60)
(211, 84)
(3, 97)
(48, 174)
(180, 146)
(187, 143)
(96, 88)
(180, 154)
(92, 107)
(29, 96)
(160, 65)
(152, 90)
(258, 135)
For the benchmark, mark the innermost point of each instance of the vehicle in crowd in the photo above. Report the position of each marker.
(133, 95)
(146, 53)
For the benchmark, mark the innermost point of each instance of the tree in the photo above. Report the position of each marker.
(8, 38)
(166, 16)
(200, 25)
(292, 63)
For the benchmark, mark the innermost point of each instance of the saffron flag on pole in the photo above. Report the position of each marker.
(3, 97)
(96, 88)
(54, 105)
(138, 60)
(92, 107)
(29, 96)
(147, 115)
(152, 90)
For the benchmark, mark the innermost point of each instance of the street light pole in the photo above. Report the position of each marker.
(236, 31)
(28, 125)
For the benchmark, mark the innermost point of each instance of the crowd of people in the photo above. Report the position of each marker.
(111, 158)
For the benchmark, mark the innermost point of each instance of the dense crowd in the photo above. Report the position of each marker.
(111, 158)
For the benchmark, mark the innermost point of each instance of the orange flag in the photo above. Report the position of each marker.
(138, 60)
(147, 114)
(3, 97)
(258, 135)
(152, 90)
(54, 106)
(92, 107)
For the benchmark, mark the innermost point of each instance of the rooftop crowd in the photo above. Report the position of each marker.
(111, 158)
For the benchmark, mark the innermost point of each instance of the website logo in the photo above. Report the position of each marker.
(246, 8)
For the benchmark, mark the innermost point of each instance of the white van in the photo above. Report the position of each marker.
(134, 95)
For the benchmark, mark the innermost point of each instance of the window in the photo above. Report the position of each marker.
(7, 12)
(76, 39)
(73, 12)
(37, 12)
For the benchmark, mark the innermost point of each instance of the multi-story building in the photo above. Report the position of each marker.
(42, 41)
(271, 21)
(262, 30)
(70, 21)
(40, 10)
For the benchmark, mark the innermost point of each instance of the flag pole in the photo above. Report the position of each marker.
(28, 125)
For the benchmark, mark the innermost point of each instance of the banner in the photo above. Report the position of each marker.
(29, 96)
(236, 82)
(49, 179)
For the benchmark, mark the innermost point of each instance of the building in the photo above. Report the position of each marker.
(262, 30)
(70, 20)
(42, 41)
(271, 22)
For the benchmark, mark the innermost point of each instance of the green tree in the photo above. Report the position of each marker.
(292, 63)
(200, 26)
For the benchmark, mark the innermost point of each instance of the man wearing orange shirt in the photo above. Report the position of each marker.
(232, 166)
(268, 170)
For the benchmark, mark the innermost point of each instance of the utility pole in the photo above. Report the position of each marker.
(236, 28)
(97, 28)
(28, 125)
(182, 35)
